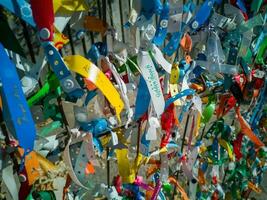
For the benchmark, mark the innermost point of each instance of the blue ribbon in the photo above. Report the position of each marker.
(96, 50)
(90, 96)
(203, 13)
(173, 44)
(96, 126)
(16, 112)
(149, 8)
(142, 99)
(20, 8)
(93, 54)
(62, 72)
(162, 27)
(184, 110)
(178, 96)
(146, 144)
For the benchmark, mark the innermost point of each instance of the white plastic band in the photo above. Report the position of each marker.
(152, 80)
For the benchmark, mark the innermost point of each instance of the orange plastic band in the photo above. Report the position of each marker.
(247, 130)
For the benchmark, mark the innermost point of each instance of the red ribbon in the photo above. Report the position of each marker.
(43, 14)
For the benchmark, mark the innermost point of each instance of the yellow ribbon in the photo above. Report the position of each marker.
(67, 6)
(174, 77)
(126, 172)
(227, 146)
(88, 70)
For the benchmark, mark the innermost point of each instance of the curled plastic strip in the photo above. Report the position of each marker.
(91, 73)
(184, 93)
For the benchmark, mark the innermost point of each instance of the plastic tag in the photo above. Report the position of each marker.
(186, 92)
(150, 8)
(25, 11)
(146, 37)
(156, 191)
(255, 5)
(203, 14)
(158, 56)
(162, 26)
(173, 44)
(67, 81)
(67, 161)
(126, 172)
(82, 166)
(88, 70)
(152, 128)
(227, 146)
(132, 18)
(43, 15)
(28, 84)
(144, 144)
(142, 99)
(150, 75)
(262, 48)
(247, 130)
(32, 167)
(175, 16)
(174, 77)
(122, 87)
(61, 22)
(15, 110)
(192, 189)
(51, 84)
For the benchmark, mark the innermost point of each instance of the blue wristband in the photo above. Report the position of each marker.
(162, 27)
(16, 112)
(142, 99)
